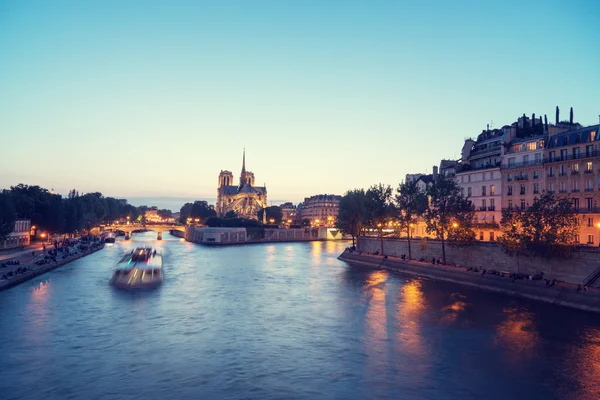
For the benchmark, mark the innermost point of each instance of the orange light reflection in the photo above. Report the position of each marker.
(518, 333)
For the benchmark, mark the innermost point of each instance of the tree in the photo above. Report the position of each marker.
(8, 215)
(411, 204)
(351, 214)
(449, 215)
(185, 212)
(548, 228)
(273, 213)
(305, 222)
(231, 214)
(164, 213)
(379, 208)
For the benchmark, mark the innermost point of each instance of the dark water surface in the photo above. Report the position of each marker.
(283, 321)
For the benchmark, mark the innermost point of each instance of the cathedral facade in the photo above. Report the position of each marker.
(245, 199)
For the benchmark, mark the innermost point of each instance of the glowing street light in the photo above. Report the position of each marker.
(455, 225)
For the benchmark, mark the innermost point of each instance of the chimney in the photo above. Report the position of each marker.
(435, 172)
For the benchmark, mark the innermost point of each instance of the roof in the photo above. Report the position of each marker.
(574, 136)
(231, 190)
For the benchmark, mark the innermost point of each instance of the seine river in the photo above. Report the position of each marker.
(283, 321)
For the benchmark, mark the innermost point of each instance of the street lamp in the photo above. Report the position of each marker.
(455, 225)
(271, 220)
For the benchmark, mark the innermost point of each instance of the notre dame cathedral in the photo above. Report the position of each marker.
(245, 199)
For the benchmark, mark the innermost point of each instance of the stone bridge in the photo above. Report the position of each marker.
(129, 229)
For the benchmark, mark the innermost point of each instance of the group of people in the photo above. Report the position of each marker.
(10, 274)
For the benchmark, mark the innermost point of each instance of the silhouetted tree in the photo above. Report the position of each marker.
(379, 209)
(351, 214)
(273, 213)
(411, 204)
(8, 215)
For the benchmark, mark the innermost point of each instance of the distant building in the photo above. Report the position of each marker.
(321, 210)
(288, 213)
(152, 215)
(245, 199)
(20, 236)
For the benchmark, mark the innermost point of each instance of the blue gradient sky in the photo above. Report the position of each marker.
(155, 98)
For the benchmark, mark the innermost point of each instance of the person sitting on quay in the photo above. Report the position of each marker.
(433, 260)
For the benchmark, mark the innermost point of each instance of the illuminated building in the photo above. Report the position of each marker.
(321, 210)
(20, 235)
(245, 199)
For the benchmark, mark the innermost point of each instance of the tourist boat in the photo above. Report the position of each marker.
(140, 268)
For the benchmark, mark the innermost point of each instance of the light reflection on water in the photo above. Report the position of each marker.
(283, 321)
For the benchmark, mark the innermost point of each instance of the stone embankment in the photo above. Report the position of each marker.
(34, 270)
(563, 294)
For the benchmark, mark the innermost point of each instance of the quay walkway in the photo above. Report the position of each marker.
(562, 293)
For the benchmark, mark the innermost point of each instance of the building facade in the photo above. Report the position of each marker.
(288, 214)
(480, 180)
(321, 210)
(20, 235)
(244, 199)
(572, 169)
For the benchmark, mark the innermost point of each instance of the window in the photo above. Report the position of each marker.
(589, 150)
(492, 205)
(492, 191)
(563, 187)
(492, 237)
(552, 156)
(483, 207)
(590, 239)
(590, 203)
(563, 170)
(563, 154)
(538, 158)
(575, 153)
(522, 204)
(575, 186)
(536, 174)
(522, 189)
(510, 178)
(509, 190)
(483, 190)
(577, 239)
(511, 162)
(590, 222)
(536, 188)
(531, 146)
(576, 204)
(541, 146)
(469, 192)
(575, 169)
(525, 160)
(551, 171)
(480, 235)
(589, 186)
(589, 167)
(592, 136)
(510, 205)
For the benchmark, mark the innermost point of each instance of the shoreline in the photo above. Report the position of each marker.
(563, 294)
(18, 279)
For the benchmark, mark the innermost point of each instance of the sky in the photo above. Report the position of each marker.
(147, 99)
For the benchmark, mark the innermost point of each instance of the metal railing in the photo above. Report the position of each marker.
(591, 278)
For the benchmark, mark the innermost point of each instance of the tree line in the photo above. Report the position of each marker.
(54, 213)
(546, 228)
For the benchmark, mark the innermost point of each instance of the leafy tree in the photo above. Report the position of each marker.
(164, 213)
(548, 228)
(411, 204)
(273, 213)
(202, 210)
(449, 215)
(8, 215)
(230, 214)
(305, 222)
(185, 212)
(379, 209)
(351, 214)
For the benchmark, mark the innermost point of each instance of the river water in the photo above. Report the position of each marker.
(283, 321)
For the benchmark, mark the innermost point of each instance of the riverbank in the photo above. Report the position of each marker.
(563, 294)
(34, 270)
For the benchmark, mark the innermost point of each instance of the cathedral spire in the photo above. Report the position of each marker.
(243, 174)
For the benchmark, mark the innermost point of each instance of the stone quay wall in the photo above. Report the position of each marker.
(490, 256)
(561, 294)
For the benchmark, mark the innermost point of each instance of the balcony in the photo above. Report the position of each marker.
(509, 193)
(522, 164)
(522, 192)
(562, 191)
(551, 176)
(574, 172)
(588, 171)
(550, 191)
(588, 190)
(492, 208)
(536, 192)
(521, 178)
(562, 174)
(575, 190)
(482, 208)
(587, 154)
